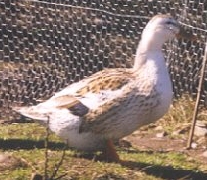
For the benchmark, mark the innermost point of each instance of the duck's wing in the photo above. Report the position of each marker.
(107, 92)
(107, 79)
(99, 90)
(83, 97)
(99, 120)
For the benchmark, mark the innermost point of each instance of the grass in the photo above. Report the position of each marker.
(25, 142)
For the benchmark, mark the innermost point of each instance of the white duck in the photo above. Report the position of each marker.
(113, 103)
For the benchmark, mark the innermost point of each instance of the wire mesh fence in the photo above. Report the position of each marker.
(46, 45)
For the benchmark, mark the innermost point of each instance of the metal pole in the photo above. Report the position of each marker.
(195, 113)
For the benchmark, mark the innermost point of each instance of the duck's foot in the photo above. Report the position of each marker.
(109, 154)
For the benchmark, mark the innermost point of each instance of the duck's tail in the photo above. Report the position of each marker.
(31, 112)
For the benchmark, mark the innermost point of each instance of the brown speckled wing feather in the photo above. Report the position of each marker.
(108, 79)
(96, 120)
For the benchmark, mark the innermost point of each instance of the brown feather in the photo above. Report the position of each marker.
(108, 79)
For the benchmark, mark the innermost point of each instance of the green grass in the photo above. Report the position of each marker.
(25, 142)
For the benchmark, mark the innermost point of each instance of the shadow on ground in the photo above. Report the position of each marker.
(12, 144)
(165, 172)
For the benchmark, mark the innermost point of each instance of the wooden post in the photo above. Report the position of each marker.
(195, 113)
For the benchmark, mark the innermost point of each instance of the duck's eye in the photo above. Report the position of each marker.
(171, 23)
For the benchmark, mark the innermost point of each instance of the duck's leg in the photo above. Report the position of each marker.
(110, 152)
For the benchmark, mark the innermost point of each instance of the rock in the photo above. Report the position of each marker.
(200, 130)
(161, 134)
(194, 145)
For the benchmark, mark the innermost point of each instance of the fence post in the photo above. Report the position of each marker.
(195, 112)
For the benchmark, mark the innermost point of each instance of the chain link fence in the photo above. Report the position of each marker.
(46, 45)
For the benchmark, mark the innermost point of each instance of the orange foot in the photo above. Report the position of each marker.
(110, 154)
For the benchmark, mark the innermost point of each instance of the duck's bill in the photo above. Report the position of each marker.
(186, 34)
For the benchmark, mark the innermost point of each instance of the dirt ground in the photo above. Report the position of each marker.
(153, 141)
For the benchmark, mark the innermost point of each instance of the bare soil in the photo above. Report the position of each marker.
(149, 141)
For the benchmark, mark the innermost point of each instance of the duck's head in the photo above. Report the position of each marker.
(158, 30)
(162, 28)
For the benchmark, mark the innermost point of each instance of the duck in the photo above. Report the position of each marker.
(90, 115)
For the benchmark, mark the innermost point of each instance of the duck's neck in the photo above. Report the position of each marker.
(147, 47)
